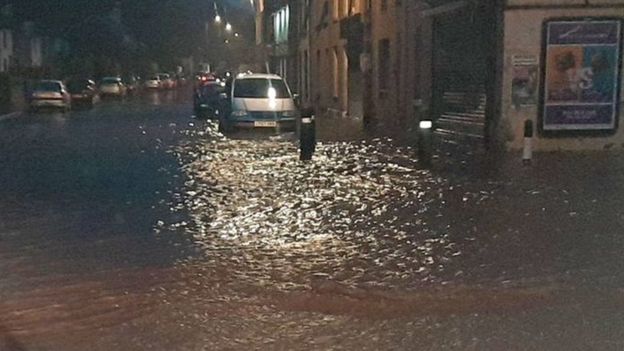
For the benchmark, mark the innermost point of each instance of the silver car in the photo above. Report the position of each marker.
(112, 86)
(50, 94)
(153, 82)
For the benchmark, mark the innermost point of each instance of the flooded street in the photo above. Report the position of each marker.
(133, 226)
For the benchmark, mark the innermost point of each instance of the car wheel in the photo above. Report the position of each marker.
(224, 126)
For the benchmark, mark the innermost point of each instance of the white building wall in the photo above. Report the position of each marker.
(36, 52)
(6, 49)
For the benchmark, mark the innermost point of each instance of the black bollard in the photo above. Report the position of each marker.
(425, 142)
(307, 135)
(527, 149)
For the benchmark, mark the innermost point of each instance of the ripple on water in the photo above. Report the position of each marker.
(350, 214)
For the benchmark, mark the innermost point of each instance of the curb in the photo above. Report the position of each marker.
(9, 116)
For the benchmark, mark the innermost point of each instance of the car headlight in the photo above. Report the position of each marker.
(289, 114)
(239, 114)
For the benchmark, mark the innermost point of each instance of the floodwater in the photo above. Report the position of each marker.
(133, 226)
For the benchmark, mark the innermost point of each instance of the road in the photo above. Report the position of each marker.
(133, 226)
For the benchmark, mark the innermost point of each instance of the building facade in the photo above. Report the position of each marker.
(29, 48)
(484, 70)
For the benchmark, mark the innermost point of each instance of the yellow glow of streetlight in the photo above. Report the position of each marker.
(228, 27)
(218, 19)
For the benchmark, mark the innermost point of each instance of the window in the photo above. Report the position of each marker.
(48, 86)
(211, 90)
(344, 8)
(304, 18)
(417, 56)
(354, 7)
(383, 70)
(258, 88)
(319, 74)
(280, 25)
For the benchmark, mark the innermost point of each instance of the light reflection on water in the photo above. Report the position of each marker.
(350, 215)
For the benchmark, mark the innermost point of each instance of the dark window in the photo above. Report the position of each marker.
(212, 90)
(77, 86)
(111, 81)
(384, 64)
(48, 86)
(259, 88)
(418, 61)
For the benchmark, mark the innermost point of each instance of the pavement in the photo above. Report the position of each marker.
(133, 226)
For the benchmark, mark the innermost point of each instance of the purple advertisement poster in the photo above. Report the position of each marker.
(582, 75)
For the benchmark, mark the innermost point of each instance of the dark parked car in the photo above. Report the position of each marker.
(207, 100)
(132, 83)
(82, 91)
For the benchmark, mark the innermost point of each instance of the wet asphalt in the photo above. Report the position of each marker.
(134, 226)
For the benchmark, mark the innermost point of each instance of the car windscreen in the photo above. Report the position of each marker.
(210, 90)
(77, 86)
(260, 88)
(110, 81)
(48, 86)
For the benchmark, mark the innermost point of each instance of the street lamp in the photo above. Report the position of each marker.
(228, 27)
(236, 35)
(217, 19)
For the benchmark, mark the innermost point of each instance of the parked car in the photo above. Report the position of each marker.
(207, 102)
(166, 81)
(153, 82)
(259, 101)
(132, 83)
(174, 80)
(203, 77)
(82, 91)
(181, 79)
(50, 94)
(112, 86)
